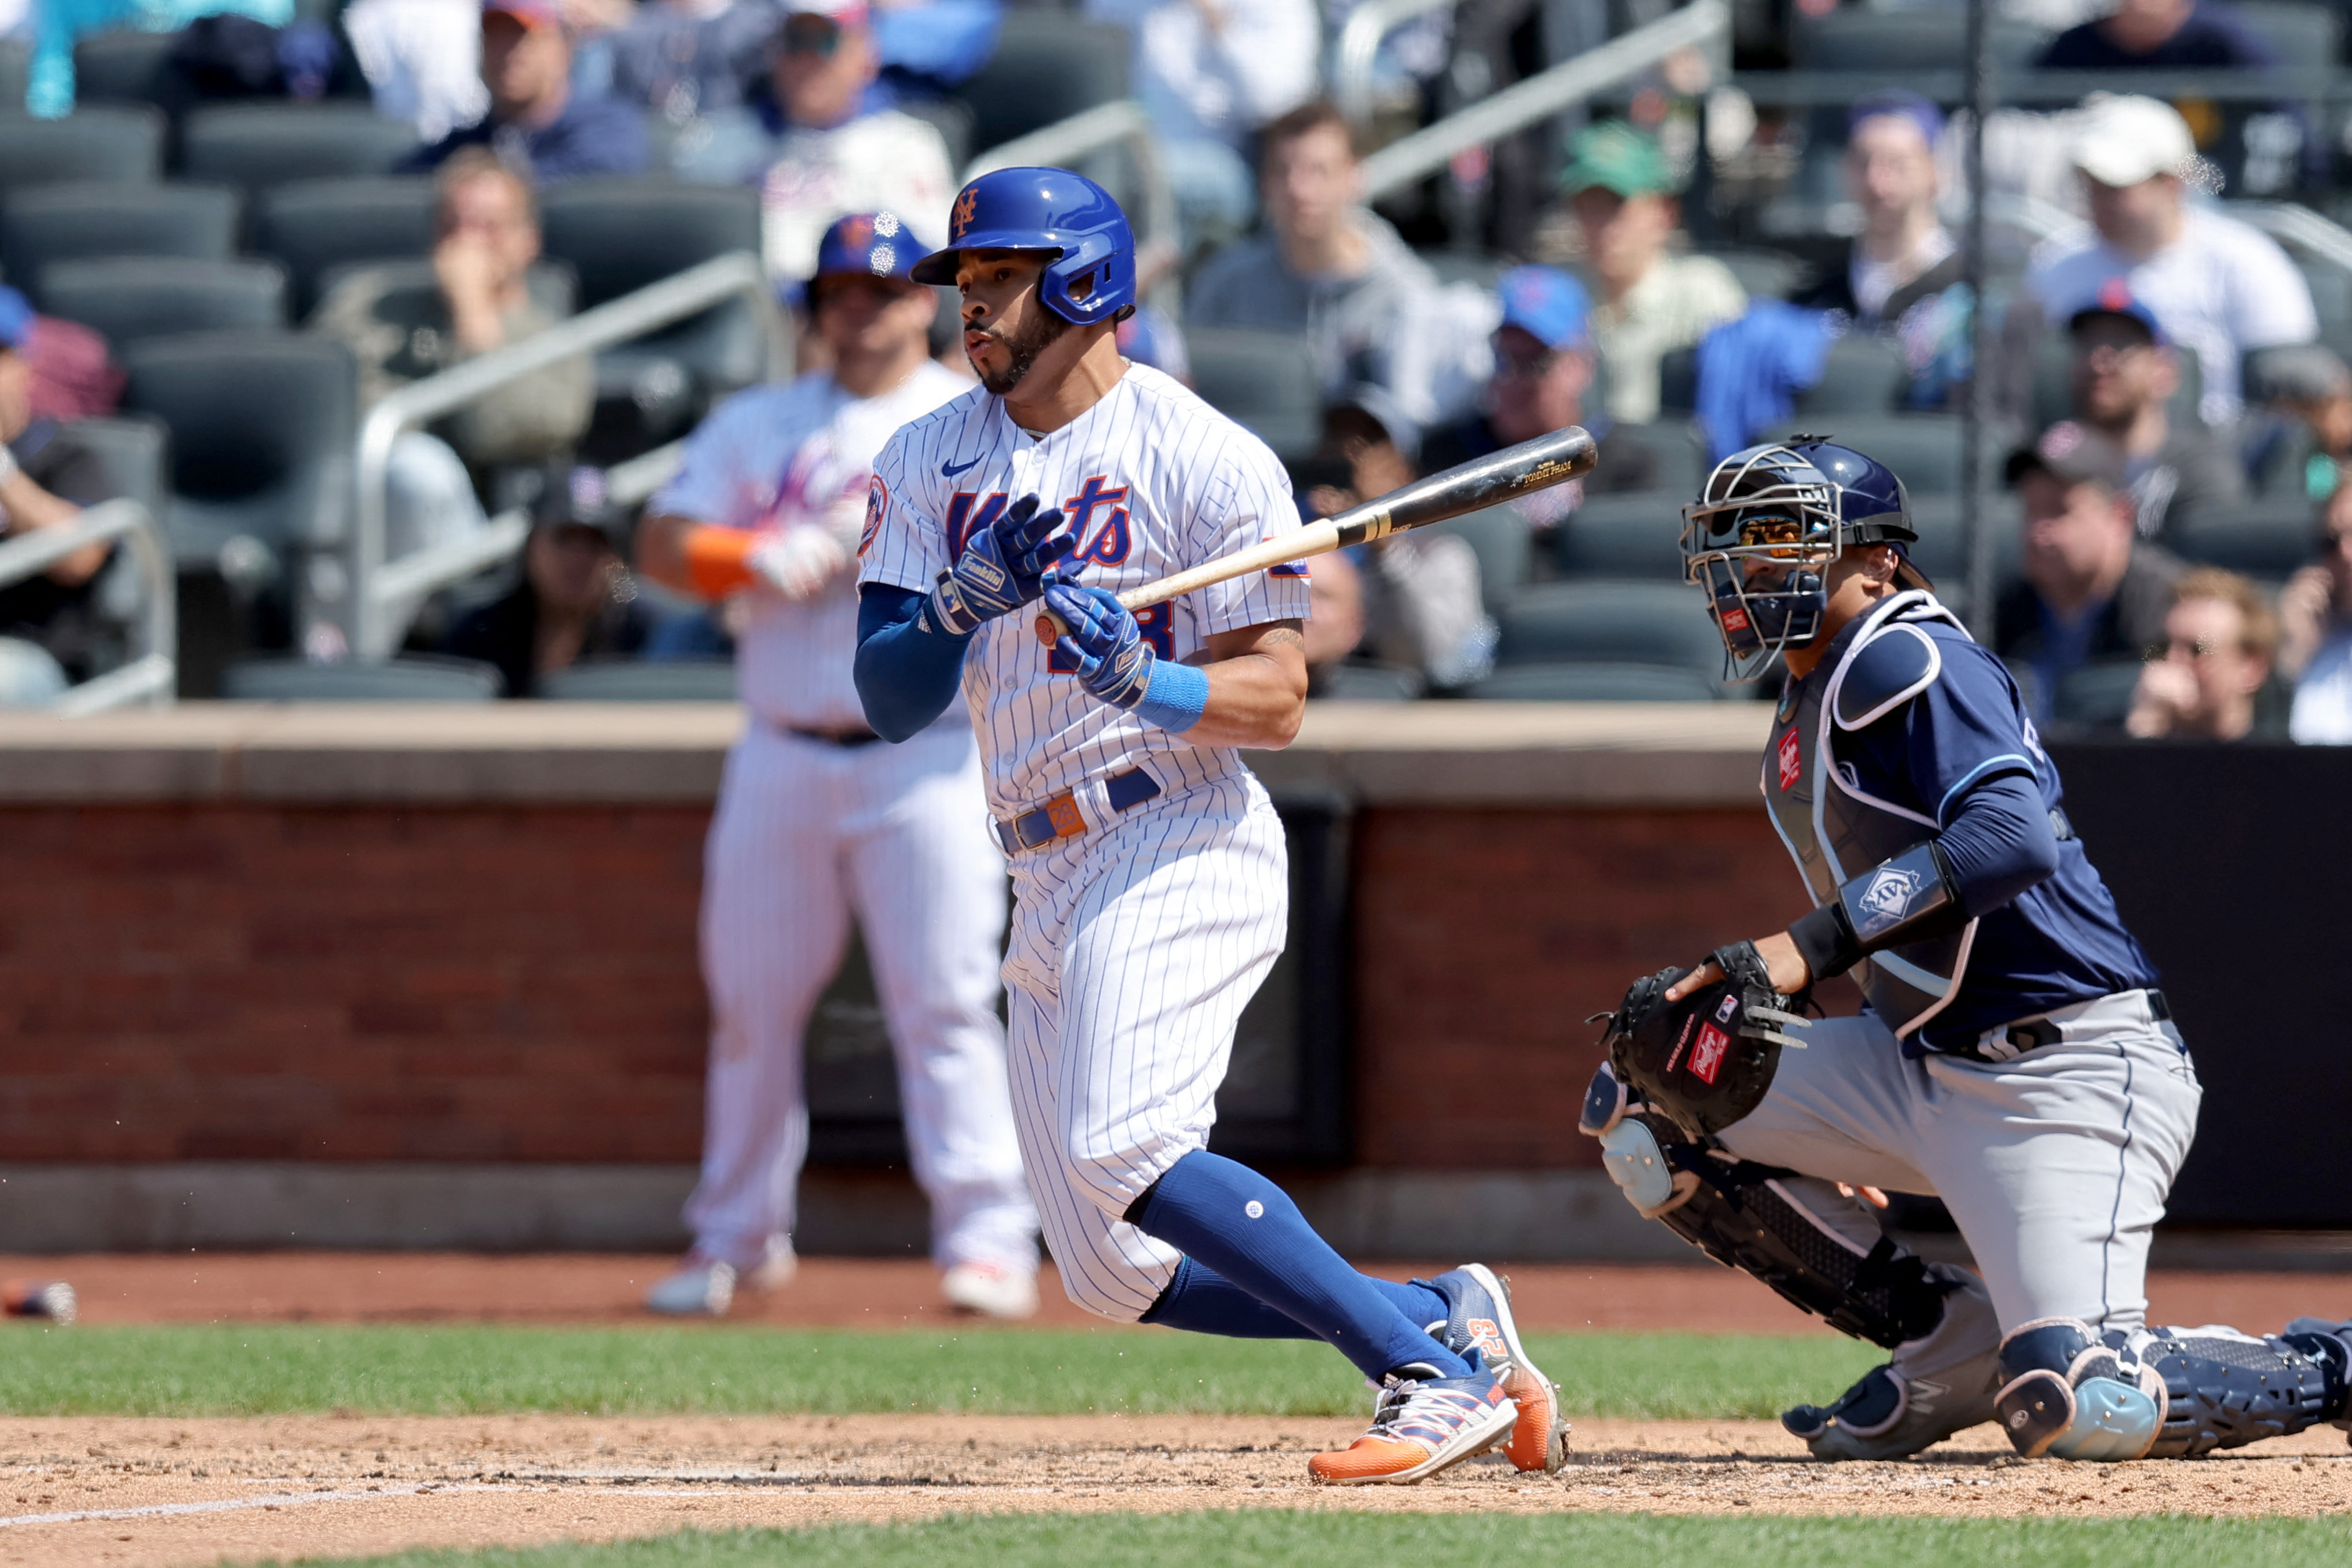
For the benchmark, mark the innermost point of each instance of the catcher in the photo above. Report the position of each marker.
(2015, 1057)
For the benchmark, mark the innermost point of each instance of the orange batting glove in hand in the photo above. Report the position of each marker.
(796, 563)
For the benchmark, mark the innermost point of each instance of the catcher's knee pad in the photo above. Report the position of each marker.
(2224, 1389)
(1735, 1212)
(2071, 1394)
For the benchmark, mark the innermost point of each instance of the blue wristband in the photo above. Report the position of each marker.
(1176, 697)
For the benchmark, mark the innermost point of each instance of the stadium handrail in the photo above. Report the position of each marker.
(376, 585)
(2013, 89)
(151, 677)
(1360, 44)
(2299, 225)
(1098, 130)
(1544, 95)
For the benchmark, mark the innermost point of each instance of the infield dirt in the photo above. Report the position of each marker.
(152, 1492)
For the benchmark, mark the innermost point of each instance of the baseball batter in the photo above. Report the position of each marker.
(1150, 889)
(2015, 1057)
(817, 822)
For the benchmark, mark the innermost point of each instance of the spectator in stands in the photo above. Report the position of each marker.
(1621, 193)
(1328, 269)
(423, 60)
(683, 59)
(2315, 642)
(400, 328)
(539, 123)
(2218, 287)
(2214, 679)
(2312, 385)
(51, 630)
(575, 601)
(1898, 274)
(2093, 591)
(2124, 373)
(825, 141)
(1543, 367)
(1210, 73)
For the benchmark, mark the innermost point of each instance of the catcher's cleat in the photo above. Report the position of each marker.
(1480, 1319)
(991, 1290)
(1424, 1423)
(1887, 1416)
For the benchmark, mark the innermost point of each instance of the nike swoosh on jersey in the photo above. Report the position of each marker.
(952, 470)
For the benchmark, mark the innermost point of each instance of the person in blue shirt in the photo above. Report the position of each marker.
(2014, 1057)
(540, 124)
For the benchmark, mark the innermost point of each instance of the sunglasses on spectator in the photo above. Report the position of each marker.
(807, 34)
(1527, 368)
(2197, 648)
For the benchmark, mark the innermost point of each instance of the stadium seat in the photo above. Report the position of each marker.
(135, 453)
(1673, 444)
(1611, 622)
(122, 66)
(2305, 36)
(1862, 374)
(1046, 67)
(416, 678)
(1595, 683)
(311, 225)
(1635, 533)
(1677, 382)
(257, 145)
(1885, 44)
(1499, 537)
(48, 223)
(2268, 539)
(120, 143)
(262, 426)
(952, 119)
(1923, 450)
(1942, 551)
(2097, 696)
(126, 300)
(620, 234)
(1268, 381)
(15, 71)
(1354, 683)
(1765, 274)
(642, 680)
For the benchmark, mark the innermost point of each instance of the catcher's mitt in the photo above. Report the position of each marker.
(1705, 1061)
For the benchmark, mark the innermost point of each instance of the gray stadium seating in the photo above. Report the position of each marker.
(2096, 696)
(642, 680)
(1611, 622)
(416, 678)
(1046, 67)
(1265, 380)
(1635, 533)
(127, 300)
(44, 224)
(2267, 538)
(312, 226)
(121, 142)
(257, 145)
(1595, 683)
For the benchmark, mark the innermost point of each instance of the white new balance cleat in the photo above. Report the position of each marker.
(991, 1290)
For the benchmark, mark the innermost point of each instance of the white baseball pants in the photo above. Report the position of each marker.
(1135, 948)
(808, 833)
(2055, 1165)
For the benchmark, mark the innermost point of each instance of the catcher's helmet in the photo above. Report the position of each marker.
(1766, 527)
(1092, 275)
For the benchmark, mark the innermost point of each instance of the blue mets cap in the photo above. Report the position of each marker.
(16, 319)
(868, 245)
(2116, 299)
(1545, 303)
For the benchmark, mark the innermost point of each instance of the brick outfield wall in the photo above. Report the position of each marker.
(519, 983)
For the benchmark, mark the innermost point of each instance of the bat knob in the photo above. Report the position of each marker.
(1050, 626)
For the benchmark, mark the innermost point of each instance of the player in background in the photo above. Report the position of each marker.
(2015, 1057)
(817, 822)
(1149, 867)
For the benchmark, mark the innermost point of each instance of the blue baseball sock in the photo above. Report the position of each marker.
(1248, 1232)
(1202, 1302)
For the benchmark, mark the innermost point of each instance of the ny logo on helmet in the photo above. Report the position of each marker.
(965, 206)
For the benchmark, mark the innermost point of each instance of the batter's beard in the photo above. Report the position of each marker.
(1033, 339)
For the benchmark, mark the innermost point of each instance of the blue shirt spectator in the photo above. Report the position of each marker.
(540, 124)
(683, 59)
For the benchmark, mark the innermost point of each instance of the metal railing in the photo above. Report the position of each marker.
(378, 587)
(1541, 96)
(2300, 226)
(151, 676)
(1098, 130)
(1367, 28)
(1838, 88)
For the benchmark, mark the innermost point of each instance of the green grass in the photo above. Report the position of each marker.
(1219, 1539)
(231, 1369)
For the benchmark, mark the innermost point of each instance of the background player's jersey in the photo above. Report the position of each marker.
(797, 455)
(1154, 480)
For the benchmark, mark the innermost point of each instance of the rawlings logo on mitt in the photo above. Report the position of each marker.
(1705, 1061)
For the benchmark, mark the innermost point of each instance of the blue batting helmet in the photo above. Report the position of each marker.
(868, 245)
(1766, 528)
(1092, 275)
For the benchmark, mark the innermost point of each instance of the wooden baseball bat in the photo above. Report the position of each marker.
(1531, 466)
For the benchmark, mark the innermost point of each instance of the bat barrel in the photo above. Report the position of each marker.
(1550, 459)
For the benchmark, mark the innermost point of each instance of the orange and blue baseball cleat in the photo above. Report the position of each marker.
(1480, 1319)
(1423, 1425)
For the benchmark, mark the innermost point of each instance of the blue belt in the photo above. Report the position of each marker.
(1060, 818)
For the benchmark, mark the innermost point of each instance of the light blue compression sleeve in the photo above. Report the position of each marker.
(1176, 697)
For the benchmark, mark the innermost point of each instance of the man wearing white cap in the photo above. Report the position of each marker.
(2216, 286)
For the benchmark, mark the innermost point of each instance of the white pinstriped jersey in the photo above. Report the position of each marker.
(798, 454)
(1154, 480)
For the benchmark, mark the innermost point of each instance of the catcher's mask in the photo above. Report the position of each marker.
(1762, 534)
